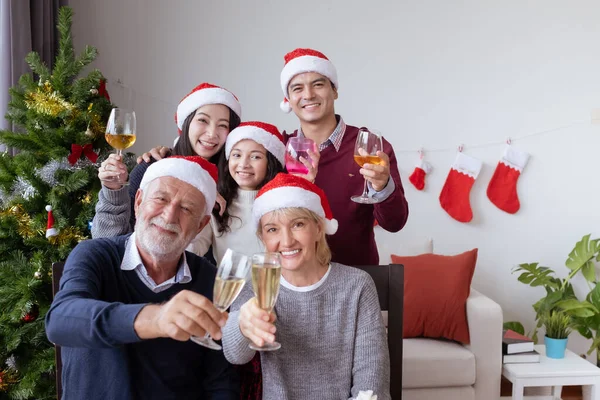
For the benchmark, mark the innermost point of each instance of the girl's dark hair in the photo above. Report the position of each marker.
(184, 146)
(228, 187)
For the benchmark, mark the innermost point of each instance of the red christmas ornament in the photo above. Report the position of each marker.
(32, 314)
(102, 89)
(50, 229)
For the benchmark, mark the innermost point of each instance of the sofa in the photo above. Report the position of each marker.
(443, 370)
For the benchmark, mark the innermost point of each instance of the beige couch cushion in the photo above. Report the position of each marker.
(429, 363)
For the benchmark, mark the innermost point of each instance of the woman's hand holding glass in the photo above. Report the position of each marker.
(257, 324)
(111, 168)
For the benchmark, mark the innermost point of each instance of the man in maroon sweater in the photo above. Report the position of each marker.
(309, 83)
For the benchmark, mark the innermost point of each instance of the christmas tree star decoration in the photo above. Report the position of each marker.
(51, 117)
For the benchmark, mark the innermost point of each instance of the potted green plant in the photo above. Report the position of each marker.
(560, 296)
(558, 327)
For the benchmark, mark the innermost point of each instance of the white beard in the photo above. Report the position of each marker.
(150, 240)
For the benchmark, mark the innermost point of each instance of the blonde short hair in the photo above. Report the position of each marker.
(322, 251)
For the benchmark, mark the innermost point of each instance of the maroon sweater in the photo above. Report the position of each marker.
(338, 176)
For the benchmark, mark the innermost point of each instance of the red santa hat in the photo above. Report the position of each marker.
(201, 95)
(50, 229)
(304, 60)
(194, 170)
(266, 134)
(286, 191)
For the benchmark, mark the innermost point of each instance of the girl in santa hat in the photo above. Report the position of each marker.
(327, 317)
(204, 118)
(253, 154)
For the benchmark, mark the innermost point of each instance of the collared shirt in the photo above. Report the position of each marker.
(133, 261)
(336, 138)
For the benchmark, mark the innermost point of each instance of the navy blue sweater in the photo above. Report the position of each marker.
(92, 318)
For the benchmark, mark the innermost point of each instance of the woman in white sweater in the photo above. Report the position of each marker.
(329, 324)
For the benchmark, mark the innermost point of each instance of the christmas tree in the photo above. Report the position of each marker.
(60, 142)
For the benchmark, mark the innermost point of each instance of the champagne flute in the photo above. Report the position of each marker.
(266, 271)
(120, 134)
(298, 147)
(368, 143)
(230, 279)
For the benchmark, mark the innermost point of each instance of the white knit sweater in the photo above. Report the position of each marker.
(241, 238)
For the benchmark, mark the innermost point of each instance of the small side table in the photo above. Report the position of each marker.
(556, 373)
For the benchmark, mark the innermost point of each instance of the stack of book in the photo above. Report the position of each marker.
(517, 348)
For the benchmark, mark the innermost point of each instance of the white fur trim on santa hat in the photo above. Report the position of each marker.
(267, 139)
(514, 158)
(187, 171)
(467, 165)
(203, 97)
(287, 197)
(303, 64)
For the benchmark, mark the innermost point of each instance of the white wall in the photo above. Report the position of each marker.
(429, 73)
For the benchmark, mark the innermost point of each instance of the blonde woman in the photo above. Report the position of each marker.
(327, 317)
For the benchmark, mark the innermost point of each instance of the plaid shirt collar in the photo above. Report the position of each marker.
(336, 136)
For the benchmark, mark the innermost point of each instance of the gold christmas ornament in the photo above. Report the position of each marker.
(87, 199)
(89, 132)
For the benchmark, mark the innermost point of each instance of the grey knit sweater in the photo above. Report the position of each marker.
(333, 341)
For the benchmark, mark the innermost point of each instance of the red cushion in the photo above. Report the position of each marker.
(436, 289)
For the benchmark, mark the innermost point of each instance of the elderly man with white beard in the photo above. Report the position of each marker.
(128, 305)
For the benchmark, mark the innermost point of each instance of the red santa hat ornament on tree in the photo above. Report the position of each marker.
(262, 133)
(204, 94)
(50, 229)
(287, 191)
(300, 61)
(194, 170)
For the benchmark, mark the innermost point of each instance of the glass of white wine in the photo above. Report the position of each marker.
(266, 272)
(120, 134)
(231, 277)
(368, 143)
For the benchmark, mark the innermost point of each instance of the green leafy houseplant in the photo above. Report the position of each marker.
(558, 325)
(560, 296)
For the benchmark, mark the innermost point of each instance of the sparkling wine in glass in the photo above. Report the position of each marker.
(230, 279)
(120, 133)
(368, 143)
(298, 147)
(266, 272)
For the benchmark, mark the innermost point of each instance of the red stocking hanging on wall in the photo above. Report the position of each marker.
(422, 168)
(454, 197)
(502, 189)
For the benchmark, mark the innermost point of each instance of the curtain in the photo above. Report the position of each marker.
(25, 25)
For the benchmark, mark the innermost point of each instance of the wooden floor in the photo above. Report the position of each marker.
(568, 392)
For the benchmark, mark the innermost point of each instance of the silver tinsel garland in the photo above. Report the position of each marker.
(46, 173)
(23, 188)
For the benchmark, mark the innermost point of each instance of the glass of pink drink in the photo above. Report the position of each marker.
(298, 147)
